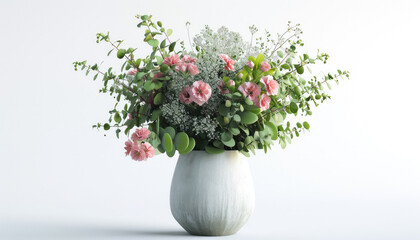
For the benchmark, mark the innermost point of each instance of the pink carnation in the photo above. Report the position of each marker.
(137, 153)
(181, 67)
(250, 64)
(189, 59)
(201, 92)
(264, 102)
(272, 86)
(148, 149)
(132, 72)
(140, 135)
(128, 147)
(250, 90)
(265, 66)
(229, 62)
(192, 69)
(171, 60)
(186, 95)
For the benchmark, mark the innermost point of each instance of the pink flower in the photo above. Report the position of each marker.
(148, 149)
(221, 86)
(186, 95)
(240, 75)
(137, 153)
(250, 90)
(192, 69)
(171, 60)
(229, 62)
(201, 92)
(128, 147)
(272, 86)
(130, 116)
(181, 67)
(231, 83)
(132, 72)
(265, 66)
(158, 75)
(140, 135)
(188, 59)
(264, 102)
(250, 64)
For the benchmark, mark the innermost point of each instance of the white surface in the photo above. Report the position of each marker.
(354, 176)
(212, 194)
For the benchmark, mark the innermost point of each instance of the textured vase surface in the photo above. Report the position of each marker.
(212, 194)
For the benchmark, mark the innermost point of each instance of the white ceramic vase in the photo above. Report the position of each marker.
(212, 194)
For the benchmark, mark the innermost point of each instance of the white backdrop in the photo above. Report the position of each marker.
(356, 175)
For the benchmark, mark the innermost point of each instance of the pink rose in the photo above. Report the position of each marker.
(186, 95)
(140, 135)
(265, 66)
(192, 69)
(132, 72)
(137, 153)
(128, 147)
(250, 64)
(188, 59)
(229, 62)
(171, 60)
(250, 90)
(148, 149)
(272, 86)
(201, 92)
(264, 102)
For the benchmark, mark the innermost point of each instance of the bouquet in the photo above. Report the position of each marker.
(219, 93)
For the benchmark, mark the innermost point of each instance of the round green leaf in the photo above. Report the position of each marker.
(248, 117)
(153, 42)
(170, 131)
(190, 147)
(171, 153)
(306, 125)
(273, 130)
(226, 136)
(106, 126)
(117, 118)
(293, 107)
(167, 142)
(121, 53)
(230, 143)
(213, 150)
(181, 141)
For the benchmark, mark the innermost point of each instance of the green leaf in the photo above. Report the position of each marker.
(280, 54)
(169, 32)
(163, 43)
(190, 147)
(170, 131)
(106, 127)
(306, 125)
(121, 53)
(117, 118)
(181, 141)
(294, 107)
(299, 69)
(273, 130)
(249, 101)
(213, 150)
(260, 59)
(235, 131)
(230, 143)
(167, 142)
(253, 108)
(155, 114)
(153, 42)
(248, 117)
(171, 153)
(172, 47)
(226, 136)
(236, 118)
(285, 66)
(158, 99)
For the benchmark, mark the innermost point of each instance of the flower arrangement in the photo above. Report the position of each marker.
(222, 94)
